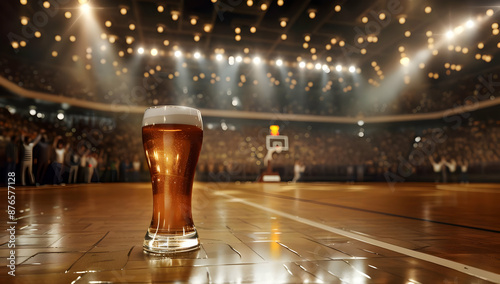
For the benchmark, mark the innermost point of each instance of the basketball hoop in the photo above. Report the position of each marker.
(273, 142)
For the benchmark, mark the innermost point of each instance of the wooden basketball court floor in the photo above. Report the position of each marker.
(260, 233)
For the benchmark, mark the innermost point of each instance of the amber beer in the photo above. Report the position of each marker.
(172, 138)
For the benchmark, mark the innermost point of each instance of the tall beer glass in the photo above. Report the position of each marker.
(172, 138)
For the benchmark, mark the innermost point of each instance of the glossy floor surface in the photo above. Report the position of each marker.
(260, 233)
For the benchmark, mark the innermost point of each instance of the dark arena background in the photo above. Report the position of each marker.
(343, 141)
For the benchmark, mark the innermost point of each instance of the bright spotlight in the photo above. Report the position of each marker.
(404, 61)
(418, 139)
(302, 64)
(317, 66)
(218, 57)
(469, 24)
(279, 62)
(352, 69)
(239, 59)
(235, 101)
(230, 60)
(197, 55)
(338, 68)
(361, 134)
(450, 34)
(60, 116)
(326, 68)
(85, 8)
(140, 50)
(361, 123)
(256, 60)
(32, 112)
(177, 53)
(154, 51)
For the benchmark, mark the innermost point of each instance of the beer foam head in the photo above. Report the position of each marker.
(172, 115)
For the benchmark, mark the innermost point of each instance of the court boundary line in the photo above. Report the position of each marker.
(371, 211)
(463, 268)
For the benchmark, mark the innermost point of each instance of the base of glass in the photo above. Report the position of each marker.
(170, 243)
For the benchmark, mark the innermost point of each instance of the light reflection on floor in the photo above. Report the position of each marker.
(94, 233)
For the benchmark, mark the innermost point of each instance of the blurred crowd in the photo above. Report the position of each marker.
(330, 154)
(312, 95)
(43, 152)
(47, 152)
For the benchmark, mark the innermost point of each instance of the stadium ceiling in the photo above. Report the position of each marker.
(442, 39)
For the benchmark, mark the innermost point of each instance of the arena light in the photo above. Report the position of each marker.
(361, 123)
(230, 60)
(235, 101)
(239, 58)
(219, 57)
(33, 112)
(405, 61)
(24, 21)
(256, 60)
(450, 34)
(197, 55)
(223, 125)
(338, 68)
(283, 22)
(469, 24)
(317, 66)
(60, 116)
(312, 13)
(175, 15)
(279, 62)
(302, 65)
(140, 50)
(178, 53)
(352, 69)
(85, 8)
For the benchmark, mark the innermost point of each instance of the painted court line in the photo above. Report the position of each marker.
(470, 270)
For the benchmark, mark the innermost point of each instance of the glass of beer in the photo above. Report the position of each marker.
(172, 138)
